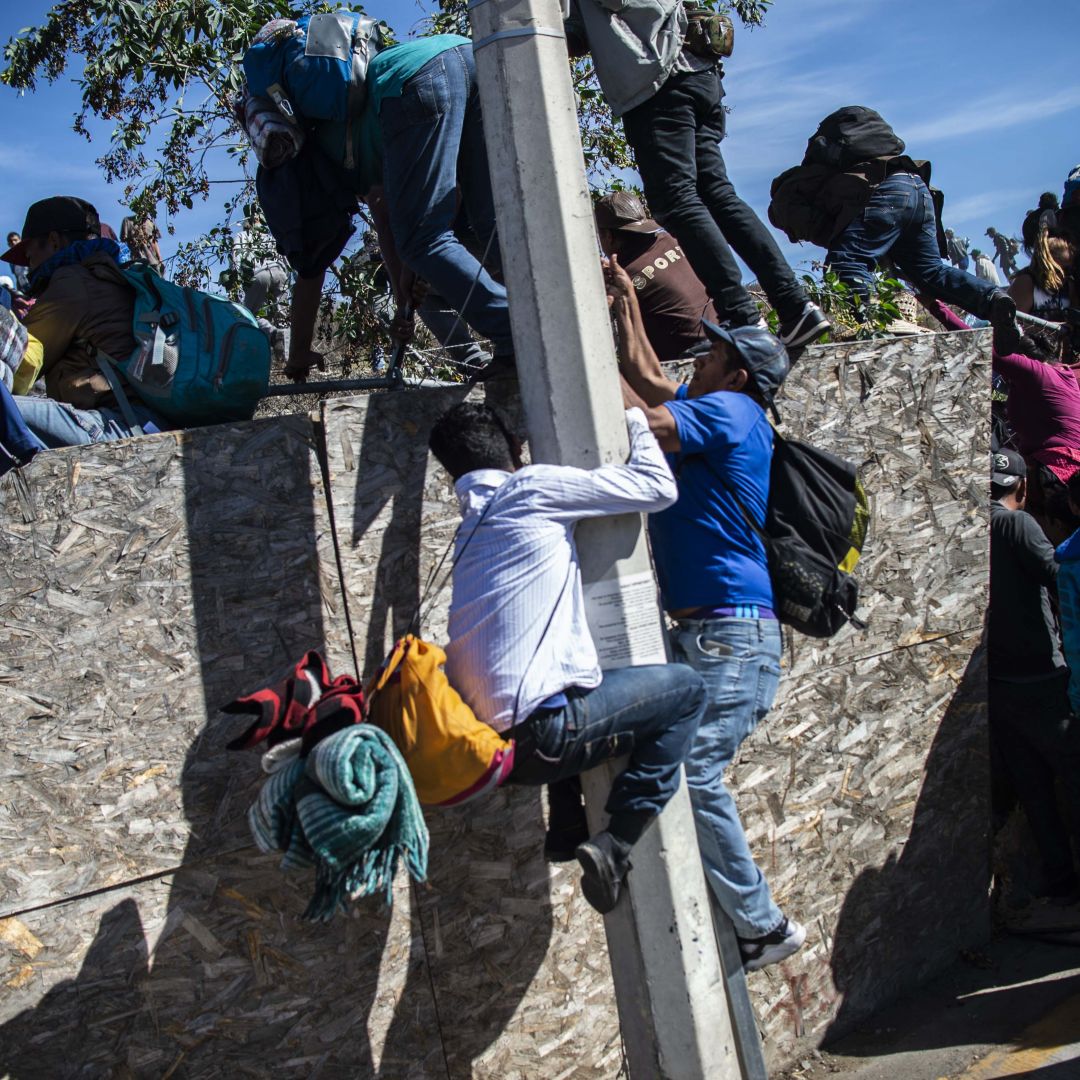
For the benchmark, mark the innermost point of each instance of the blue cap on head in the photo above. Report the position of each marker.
(1071, 195)
(760, 352)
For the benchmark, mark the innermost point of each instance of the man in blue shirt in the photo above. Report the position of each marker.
(714, 579)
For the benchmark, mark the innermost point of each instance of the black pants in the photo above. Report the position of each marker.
(1036, 740)
(676, 137)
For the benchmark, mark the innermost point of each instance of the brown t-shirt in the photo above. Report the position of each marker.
(672, 298)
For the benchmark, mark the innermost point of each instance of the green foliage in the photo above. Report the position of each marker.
(852, 320)
(164, 73)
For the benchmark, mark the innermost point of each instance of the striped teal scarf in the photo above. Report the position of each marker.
(349, 810)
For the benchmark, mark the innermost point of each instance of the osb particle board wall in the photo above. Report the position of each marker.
(158, 577)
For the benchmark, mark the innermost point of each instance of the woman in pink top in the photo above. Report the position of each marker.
(1043, 411)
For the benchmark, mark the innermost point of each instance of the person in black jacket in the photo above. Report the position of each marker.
(1035, 738)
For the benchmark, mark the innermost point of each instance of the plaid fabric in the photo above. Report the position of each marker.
(13, 338)
(350, 809)
(273, 138)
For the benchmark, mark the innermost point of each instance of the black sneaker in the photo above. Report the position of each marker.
(775, 946)
(805, 328)
(605, 862)
(1003, 320)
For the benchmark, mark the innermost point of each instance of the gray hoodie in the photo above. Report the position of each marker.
(634, 45)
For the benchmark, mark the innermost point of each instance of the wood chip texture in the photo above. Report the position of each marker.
(145, 583)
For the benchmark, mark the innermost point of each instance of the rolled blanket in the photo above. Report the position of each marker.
(351, 809)
(273, 136)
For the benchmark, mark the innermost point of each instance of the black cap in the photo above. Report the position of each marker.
(61, 213)
(760, 352)
(621, 211)
(1007, 468)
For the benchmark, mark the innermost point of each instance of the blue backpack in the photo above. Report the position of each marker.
(316, 67)
(200, 359)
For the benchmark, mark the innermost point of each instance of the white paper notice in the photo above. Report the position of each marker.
(625, 621)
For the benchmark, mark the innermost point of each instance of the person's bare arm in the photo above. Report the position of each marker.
(638, 363)
(660, 420)
(307, 294)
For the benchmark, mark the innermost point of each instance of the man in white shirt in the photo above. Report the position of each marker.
(520, 652)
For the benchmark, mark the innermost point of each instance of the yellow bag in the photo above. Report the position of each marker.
(30, 368)
(453, 757)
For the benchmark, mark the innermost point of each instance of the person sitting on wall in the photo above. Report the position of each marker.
(81, 306)
(714, 580)
(671, 297)
(520, 652)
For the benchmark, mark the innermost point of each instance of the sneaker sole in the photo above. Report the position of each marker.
(773, 954)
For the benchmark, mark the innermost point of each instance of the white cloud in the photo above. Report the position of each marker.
(994, 113)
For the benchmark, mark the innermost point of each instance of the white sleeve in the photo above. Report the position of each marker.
(643, 485)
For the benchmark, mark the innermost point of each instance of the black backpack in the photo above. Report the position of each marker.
(849, 136)
(815, 527)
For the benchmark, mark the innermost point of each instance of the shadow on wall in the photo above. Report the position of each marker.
(884, 943)
(238, 985)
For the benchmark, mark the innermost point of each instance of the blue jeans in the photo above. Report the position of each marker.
(57, 424)
(899, 222)
(676, 136)
(739, 659)
(649, 712)
(433, 140)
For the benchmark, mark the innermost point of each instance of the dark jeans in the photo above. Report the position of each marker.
(1036, 740)
(649, 712)
(676, 137)
(899, 222)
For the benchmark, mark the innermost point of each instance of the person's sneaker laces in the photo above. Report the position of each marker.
(805, 328)
(773, 947)
(605, 862)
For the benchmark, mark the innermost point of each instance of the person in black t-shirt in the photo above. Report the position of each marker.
(1035, 739)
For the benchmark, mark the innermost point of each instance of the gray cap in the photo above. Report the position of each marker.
(760, 352)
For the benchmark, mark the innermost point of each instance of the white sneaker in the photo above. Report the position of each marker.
(775, 946)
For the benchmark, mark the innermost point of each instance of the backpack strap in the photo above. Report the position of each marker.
(105, 363)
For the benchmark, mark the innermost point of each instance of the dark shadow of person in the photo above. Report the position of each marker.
(83, 1026)
(228, 980)
(903, 923)
(485, 858)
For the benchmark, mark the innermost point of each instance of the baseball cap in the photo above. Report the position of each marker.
(760, 352)
(622, 211)
(1071, 195)
(1007, 467)
(60, 213)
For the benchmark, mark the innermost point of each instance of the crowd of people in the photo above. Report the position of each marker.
(520, 652)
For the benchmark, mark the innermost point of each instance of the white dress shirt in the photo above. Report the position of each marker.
(518, 633)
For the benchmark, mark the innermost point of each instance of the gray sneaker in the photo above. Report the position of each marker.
(805, 328)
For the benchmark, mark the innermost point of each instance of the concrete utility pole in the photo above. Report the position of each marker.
(664, 958)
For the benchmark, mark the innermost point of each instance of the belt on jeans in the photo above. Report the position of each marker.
(740, 611)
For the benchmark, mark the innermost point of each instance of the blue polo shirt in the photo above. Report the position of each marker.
(705, 553)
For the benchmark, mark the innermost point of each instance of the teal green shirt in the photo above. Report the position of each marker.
(388, 72)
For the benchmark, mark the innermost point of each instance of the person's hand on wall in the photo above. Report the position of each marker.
(299, 364)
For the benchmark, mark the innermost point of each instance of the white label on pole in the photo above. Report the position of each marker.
(625, 621)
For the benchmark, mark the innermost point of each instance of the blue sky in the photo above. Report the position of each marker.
(987, 89)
